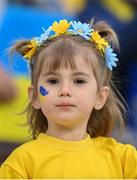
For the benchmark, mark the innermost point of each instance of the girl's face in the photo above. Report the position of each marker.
(67, 97)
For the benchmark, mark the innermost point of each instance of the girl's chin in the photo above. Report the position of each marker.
(65, 121)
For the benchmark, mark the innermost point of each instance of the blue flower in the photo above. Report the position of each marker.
(110, 58)
(82, 29)
(44, 36)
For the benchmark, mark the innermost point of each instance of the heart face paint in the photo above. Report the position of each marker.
(43, 91)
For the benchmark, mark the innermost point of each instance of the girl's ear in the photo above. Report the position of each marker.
(101, 98)
(33, 96)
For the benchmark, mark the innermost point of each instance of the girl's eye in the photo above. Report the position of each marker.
(79, 81)
(52, 81)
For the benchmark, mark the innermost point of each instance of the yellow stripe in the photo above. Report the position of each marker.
(120, 8)
(73, 6)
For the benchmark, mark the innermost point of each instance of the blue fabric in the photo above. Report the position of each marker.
(132, 95)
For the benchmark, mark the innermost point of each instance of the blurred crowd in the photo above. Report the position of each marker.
(25, 18)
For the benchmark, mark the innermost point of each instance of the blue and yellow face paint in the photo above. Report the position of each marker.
(43, 92)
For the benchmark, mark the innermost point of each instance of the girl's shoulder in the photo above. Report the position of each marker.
(110, 144)
(23, 158)
(26, 148)
(124, 155)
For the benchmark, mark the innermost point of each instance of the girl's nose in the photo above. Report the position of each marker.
(65, 94)
(64, 91)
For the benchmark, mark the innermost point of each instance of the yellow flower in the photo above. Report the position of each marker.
(61, 27)
(31, 49)
(101, 43)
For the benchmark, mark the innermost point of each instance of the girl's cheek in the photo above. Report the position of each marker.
(43, 93)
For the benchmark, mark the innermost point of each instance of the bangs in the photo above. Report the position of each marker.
(60, 54)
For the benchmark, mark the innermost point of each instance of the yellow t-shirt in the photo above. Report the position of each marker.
(49, 157)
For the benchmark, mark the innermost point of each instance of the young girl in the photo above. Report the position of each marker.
(73, 108)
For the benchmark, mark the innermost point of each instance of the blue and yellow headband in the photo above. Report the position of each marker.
(76, 28)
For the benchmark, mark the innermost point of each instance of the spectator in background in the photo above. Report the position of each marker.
(8, 90)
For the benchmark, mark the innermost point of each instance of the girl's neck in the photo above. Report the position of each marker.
(67, 134)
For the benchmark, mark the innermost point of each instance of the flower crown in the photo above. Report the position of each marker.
(77, 28)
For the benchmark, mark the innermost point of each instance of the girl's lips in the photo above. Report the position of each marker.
(65, 104)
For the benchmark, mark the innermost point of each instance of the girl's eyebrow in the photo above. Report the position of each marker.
(73, 74)
(51, 73)
(80, 73)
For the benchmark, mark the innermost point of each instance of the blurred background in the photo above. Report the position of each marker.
(25, 19)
